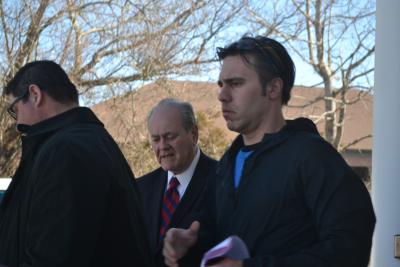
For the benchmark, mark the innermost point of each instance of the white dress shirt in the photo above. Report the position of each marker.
(184, 177)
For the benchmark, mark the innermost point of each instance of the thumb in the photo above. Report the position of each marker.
(194, 228)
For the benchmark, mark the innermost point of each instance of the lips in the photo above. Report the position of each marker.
(227, 113)
(166, 156)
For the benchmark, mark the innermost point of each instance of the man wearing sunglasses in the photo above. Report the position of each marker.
(286, 192)
(73, 200)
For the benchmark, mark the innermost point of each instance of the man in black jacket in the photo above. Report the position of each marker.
(174, 136)
(280, 187)
(73, 200)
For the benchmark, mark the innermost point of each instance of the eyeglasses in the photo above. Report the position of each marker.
(10, 108)
(260, 44)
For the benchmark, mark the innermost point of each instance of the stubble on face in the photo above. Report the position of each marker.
(241, 97)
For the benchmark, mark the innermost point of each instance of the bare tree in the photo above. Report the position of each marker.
(107, 47)
(335, 38)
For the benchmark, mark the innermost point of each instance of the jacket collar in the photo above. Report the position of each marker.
(72, 116)
(273, 139)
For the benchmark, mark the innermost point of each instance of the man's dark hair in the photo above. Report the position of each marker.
(271, 60)
(48, 76)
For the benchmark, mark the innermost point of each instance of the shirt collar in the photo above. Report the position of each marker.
(185, 177)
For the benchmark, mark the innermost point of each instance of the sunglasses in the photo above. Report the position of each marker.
(10, 108)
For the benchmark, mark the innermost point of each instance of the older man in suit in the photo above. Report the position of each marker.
(173, 194)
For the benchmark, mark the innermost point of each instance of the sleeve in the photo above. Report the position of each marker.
(207, 234)
(341, 209)
(67, 208)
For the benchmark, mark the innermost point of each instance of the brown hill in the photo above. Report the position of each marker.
(125, 116)
(357, 124)
(122, 115)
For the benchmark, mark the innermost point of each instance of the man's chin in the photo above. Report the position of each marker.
(232, 127)
(167, 166)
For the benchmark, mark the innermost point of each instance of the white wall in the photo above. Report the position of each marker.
(386, 148)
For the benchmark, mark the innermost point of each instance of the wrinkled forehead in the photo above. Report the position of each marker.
(166, 118)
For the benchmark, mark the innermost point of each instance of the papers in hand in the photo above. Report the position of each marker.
(232, 248)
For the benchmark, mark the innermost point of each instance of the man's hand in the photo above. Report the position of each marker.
(178, 241)
(227, 263)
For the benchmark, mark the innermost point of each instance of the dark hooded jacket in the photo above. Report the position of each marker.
(298, 203)
(73, 200)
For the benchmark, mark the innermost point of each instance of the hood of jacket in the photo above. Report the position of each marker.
(271, 140)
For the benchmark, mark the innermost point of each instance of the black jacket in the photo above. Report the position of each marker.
(73, 200)
(298, 203)
(152, 188)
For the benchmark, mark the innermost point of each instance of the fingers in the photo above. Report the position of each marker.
(168, 248)
(177, 242)
(170, 263)
(168, 253)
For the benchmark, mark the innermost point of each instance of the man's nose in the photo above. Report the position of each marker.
(164, 144)
(224, 95)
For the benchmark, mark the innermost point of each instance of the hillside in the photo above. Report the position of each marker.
(125, 117)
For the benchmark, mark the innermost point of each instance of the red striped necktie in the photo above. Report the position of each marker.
(169, 205)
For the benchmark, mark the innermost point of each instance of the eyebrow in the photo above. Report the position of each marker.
(231, 80)
(163, 135)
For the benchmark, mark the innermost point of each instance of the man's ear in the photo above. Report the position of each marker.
(195, 133)
(275, 88)
(35, 95)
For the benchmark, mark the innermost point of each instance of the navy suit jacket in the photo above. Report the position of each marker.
(152, 187)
